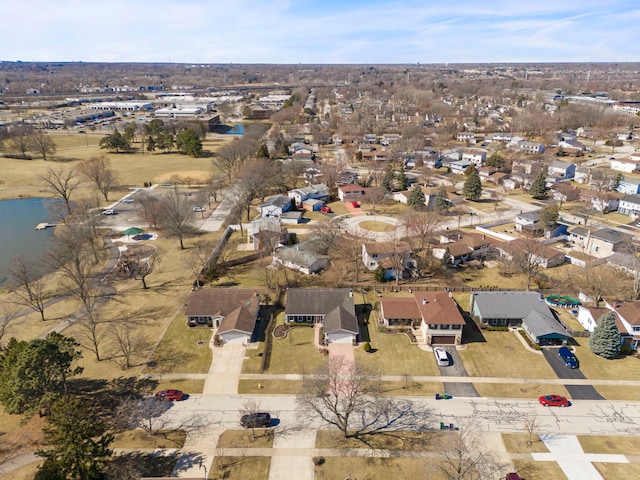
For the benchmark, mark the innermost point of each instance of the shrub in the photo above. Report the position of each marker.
(367, 347)
(318, 460)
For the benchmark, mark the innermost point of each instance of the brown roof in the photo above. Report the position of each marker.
(456, 249)
(540, 250)
(221, 301)
(438, 308)
(629, 310)
(474, 240)
(399, 307)
(241, 319)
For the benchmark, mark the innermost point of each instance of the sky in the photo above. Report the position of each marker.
(321, 31)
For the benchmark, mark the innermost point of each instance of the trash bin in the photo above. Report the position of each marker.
(437, 396)
(441, 425)
(451, 426)
(446, 396)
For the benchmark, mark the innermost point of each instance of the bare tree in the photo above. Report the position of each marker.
(527, 257)
(197, 261)
(531, 426)
(251, 407)
(464, 456)
(125, 339)
(42, 144)
(20, 140)
(99, 172)
(8, 313)
(177, 215)
(327, 232)
(29, 284)
(151, 208)
(348, 398)
(375, 196)
(420, 228)
(61, 182)
(292, 174)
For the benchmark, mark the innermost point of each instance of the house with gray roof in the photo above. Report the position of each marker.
(630, 205)
(526, 309)
(275, 206)
(599, 243)
(333, 307)
(299, 257)
(319, 192)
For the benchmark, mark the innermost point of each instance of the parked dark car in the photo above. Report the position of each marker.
(568, 357)
(170, 395)
(256, 420)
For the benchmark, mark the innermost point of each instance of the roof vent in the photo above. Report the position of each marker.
(424, 301)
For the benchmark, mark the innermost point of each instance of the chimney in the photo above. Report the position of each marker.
(424, 301)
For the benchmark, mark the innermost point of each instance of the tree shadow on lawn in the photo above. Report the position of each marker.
(136, 465)
(106, 395)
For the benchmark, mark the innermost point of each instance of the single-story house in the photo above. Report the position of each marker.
(430, 194)
(435, 313)
(629, 314)
(506, 308)
(544, 330)
(627, 165)
(563, 192)
(233, 311)
(601, 201)
(333, 307)
(538, 253)
(298, 257)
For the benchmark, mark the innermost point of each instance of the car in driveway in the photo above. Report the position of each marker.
(256, 420)
(170, 395)
(198, 209)
(109, 211)
(355, 204)
(553, 401)
(442, 357)
(127, 200)
(325, 209)
(570, 360)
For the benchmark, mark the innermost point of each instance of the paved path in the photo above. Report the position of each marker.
(575, 464)
(216, 220)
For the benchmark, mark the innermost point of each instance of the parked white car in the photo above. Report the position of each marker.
(441, 356)
(198, 209)
(109, 212)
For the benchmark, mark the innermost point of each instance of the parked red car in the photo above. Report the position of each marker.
(325, 209)
(553, 401)
(170, 395)
(355, 204)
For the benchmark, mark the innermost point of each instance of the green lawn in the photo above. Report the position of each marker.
(395, 355)
(240, 468)
(593, 366)
(296, 353)
(502, 355)
(179, 350)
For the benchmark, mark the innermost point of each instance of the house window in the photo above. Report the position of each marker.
(456, 327)
(433, 326)
(636, 329)
(445, 327)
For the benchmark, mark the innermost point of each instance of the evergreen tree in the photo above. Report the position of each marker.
(441, 202)
(538, 188)
(472, 189)
(115, 142)
(495, 161)
(263, 151)
(188, 142)
(416, 198)
(34, 374)
(401, 180)
(446, 259)
(387, 180)
(378, 275)
(549, 215)
(79, 443)
(605, 339)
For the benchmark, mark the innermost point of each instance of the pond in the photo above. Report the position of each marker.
(18, 234)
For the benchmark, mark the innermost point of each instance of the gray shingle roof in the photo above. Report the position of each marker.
(510, 305)
(541, 325)
(318, 301)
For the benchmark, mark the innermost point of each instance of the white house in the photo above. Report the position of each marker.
(319, 191)
(476, 156)
(630, 205)
(629, 185)
(394, 257)
(627, 165)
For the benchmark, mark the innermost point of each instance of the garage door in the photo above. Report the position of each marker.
(443, 340)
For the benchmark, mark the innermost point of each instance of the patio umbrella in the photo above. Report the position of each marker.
(132, 231)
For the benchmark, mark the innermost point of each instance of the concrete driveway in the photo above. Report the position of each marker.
(577, 392)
